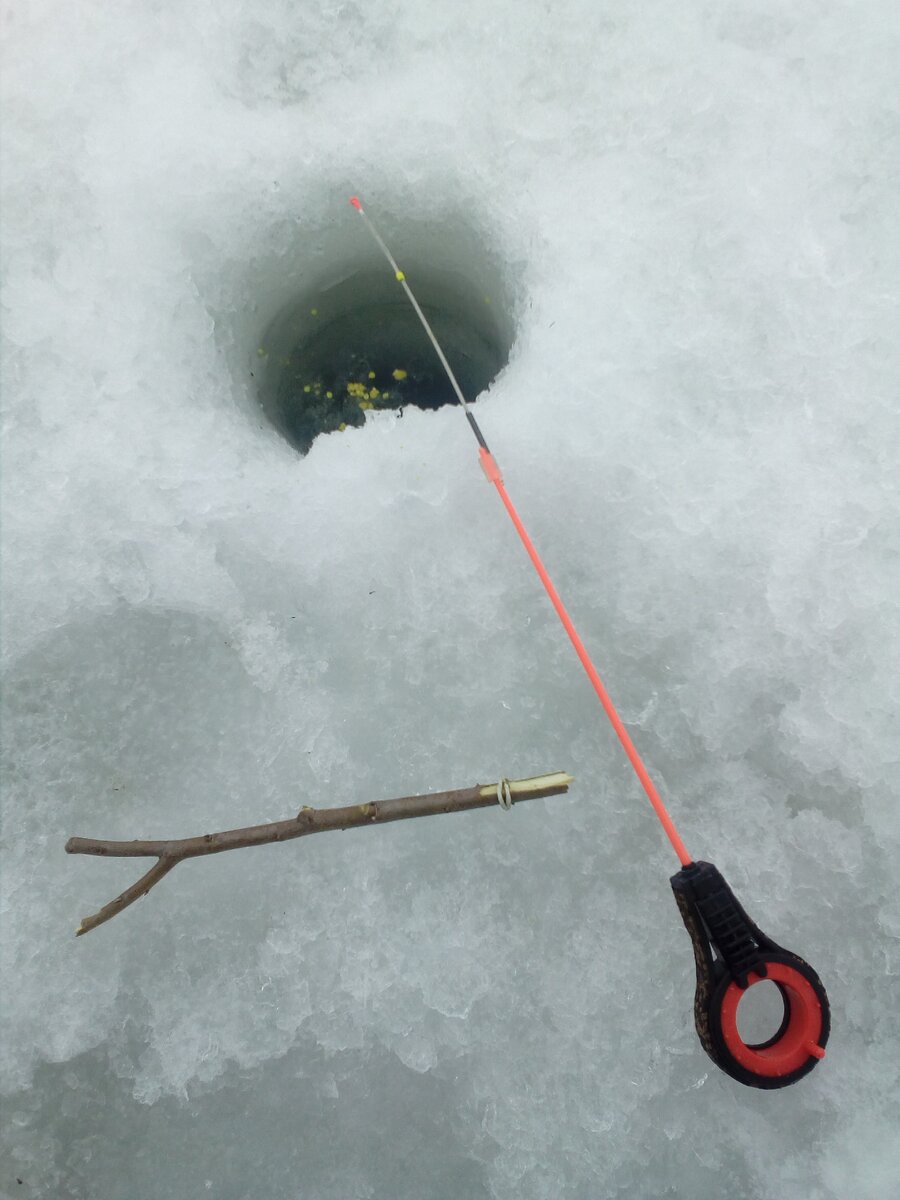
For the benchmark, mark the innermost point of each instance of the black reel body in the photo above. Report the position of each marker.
(731, 953)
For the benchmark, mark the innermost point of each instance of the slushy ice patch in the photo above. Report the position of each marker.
(354, 344)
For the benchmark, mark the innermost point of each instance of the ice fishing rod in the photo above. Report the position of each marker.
(731, 953)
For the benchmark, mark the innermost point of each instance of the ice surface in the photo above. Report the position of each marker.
(693, 209)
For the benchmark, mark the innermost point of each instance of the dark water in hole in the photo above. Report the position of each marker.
(377, 357)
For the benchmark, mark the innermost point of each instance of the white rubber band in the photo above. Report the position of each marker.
(504, 794)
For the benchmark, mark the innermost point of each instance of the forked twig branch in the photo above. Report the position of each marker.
(308, 820)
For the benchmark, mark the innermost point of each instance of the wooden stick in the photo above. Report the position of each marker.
(308, 820)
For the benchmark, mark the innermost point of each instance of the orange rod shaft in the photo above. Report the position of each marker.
(493, 473)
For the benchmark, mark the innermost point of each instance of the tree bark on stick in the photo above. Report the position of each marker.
(170, 852)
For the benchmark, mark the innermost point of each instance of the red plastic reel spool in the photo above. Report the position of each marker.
(800, 1031)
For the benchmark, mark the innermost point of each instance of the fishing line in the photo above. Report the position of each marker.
(730, 952)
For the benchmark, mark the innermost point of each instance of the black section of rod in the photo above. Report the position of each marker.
(477, 431)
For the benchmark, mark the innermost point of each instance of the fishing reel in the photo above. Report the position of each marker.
(732, 954)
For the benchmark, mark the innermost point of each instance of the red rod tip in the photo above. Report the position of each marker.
(356, 202)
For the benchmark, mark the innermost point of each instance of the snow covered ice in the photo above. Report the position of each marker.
(690, 211)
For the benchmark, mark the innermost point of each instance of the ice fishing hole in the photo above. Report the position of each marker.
(351, 344)
(761, 1013)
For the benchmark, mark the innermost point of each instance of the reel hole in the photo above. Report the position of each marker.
(762, 1013)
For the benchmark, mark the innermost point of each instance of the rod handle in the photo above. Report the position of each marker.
(731, 955)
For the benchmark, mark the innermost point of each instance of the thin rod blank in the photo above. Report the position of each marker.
(401, 279)
(493, 473)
